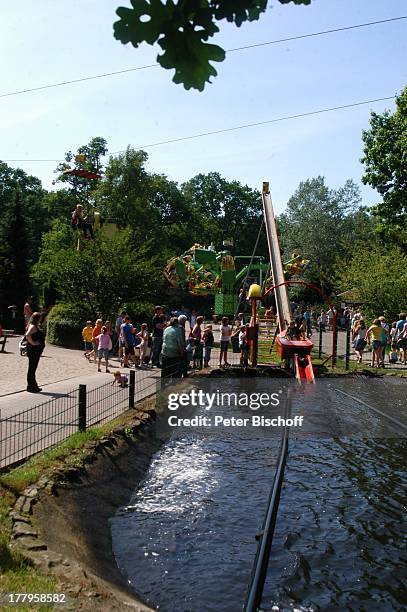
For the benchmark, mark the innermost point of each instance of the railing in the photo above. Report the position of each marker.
(35, 429)
(43, 426)
(346, 350)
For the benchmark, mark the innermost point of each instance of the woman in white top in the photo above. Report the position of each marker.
(359, 338)
(225, 333)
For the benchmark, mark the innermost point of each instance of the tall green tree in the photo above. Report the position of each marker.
(380, 277)
(385, 161)
(14, 252)
(182, 29)
(318, 223)
(36, 219)
(155, 209)
(81, 187)
(225, 210)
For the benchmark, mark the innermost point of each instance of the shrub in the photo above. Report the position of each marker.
(65, 323)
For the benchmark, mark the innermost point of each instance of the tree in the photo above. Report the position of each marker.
(122, 194)
(380, 278)
(87, 158)
(319, 223)
(385, 160)
(159, 215)
(23, 219)
(224, 210)
(103, 275)
(182, 30)
(14, 252)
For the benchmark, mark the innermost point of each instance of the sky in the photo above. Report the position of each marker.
(46, 42)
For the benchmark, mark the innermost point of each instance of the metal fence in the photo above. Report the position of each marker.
(36, 429)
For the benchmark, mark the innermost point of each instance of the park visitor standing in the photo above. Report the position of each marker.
(35, 345)
(158, 325)
(28, 311)
(172, 350)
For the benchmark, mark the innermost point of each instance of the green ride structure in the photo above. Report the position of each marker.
(203, 271)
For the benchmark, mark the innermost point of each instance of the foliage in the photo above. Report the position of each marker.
(65, 323)
(14, 273)
(153, 207)
(82, 188)
(104, 274)
(380, 277)
(224, 210)
(385, 160)
(182, 30)
(32, 193)
(319, 224)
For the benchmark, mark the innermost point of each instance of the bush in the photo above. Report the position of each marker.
(65, 323)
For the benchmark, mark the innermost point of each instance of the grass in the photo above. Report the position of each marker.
(17, 574)
(265, 357)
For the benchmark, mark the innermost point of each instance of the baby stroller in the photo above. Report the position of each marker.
(22, 345)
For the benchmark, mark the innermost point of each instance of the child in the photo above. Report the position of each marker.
(208, 340)
(97, 330)
(393, 355)
(103, 341)
(244, 347)
(225, 333)
(145, 349)
(120, 379)
(87, 335)
(196, 336)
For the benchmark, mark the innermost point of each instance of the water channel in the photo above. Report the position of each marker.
(186, 539)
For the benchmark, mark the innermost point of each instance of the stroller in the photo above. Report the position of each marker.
(22, 345)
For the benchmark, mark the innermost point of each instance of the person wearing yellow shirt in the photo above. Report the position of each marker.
(87, 335)
(375, 335)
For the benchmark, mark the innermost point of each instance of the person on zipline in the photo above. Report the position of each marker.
(79, 221)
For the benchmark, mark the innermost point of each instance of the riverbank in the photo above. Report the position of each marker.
(55, 509)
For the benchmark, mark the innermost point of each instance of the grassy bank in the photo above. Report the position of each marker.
(322, 368)
(17, 574)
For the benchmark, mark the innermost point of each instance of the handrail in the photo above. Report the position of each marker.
(258, 576)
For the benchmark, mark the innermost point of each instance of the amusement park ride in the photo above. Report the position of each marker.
(202, 271)
(109, 226)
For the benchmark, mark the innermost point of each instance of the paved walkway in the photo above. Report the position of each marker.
(32, 422)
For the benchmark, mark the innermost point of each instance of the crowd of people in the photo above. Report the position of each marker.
(175, 342)
(167, 344)
(379, 335)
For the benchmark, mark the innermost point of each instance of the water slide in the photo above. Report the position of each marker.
(296, 350)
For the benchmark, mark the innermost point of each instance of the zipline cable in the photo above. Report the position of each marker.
(263, 44)
(231, 129)
(248, 268)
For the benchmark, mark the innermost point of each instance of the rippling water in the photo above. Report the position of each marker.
(186, 540)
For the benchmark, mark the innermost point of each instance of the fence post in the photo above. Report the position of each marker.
(334, 345)
(82, 408)
(347, 354)
(320, 342)
(132, 386)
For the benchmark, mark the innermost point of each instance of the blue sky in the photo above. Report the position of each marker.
(47, 41)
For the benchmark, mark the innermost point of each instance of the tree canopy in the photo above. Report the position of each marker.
(182, 30)
(319, 223)
(385, 160)
(156, 219)
(380, 278)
